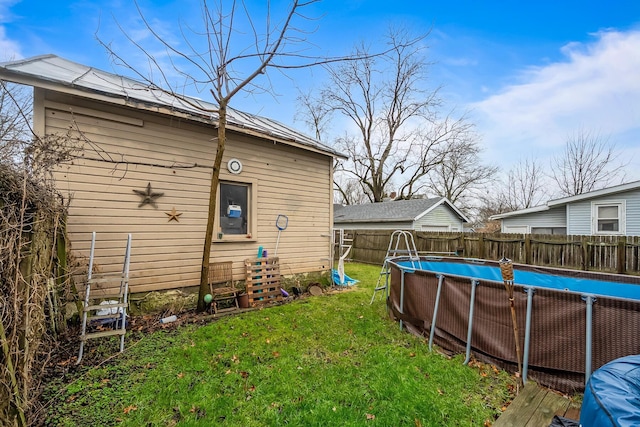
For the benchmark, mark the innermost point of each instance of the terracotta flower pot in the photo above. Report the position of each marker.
(243, 300)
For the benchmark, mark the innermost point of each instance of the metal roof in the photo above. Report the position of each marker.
(66, 76)
(394, 211)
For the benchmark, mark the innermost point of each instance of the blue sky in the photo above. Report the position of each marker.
(529, 73)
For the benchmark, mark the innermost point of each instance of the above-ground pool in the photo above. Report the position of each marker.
(569, 322)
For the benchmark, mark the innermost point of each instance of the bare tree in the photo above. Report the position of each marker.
(347, 191)
(315, 114)
(398, 135)
(589, 162)
(488, 204)
(461, 174)
(229, 54)
(15, 121)
(524, 187)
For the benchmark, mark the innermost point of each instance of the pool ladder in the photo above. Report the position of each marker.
(400, 244)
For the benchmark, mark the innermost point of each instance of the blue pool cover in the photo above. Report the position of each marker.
(530, 278)
(612, 395)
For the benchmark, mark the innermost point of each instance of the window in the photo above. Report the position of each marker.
(236, 216)
(549, 230)
(434, 228)
(515, 229)
(608, 218)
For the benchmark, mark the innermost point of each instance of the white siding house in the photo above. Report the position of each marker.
(609, 211)
(436, 214)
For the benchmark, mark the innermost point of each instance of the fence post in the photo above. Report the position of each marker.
(622, 255)
(585, 253)
(481, 246)
(527, 248)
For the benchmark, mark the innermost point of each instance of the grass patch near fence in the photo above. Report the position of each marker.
(318, 361)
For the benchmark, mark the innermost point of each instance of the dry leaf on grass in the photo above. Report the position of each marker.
(130, 408)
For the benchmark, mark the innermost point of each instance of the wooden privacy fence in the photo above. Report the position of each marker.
(612, 254)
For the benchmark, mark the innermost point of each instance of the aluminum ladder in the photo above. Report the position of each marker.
(113, 290)
(401, 244)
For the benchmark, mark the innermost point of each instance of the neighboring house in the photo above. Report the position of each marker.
(609, 211)
(146, 169)
(437, 214)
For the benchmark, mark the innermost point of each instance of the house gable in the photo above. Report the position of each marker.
(441, 218)
(436, 214)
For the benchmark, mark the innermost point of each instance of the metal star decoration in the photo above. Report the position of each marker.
(173, 215)
(148, 196)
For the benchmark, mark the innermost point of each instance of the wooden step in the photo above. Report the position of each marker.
(108, 278)
(535, 406)
(105, 306)
(115, 317)
(100, 334)
(100, 294)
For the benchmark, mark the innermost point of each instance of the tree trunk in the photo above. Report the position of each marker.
(213, 194)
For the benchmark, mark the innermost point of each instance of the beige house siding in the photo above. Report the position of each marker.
(126, 149)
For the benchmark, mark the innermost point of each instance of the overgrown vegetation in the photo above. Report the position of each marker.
(33, 285)
(327, 360)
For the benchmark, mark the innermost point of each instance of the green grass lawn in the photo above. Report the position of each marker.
(331, 360)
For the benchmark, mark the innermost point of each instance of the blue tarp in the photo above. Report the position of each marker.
(612, 395)
(524, 278)
(348, 281)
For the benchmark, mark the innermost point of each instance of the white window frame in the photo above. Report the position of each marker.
(534, 230)
(622, 217)
(252, 214)
(435, 228)
(516, 229)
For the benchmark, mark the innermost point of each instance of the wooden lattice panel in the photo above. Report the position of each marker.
(263, 280)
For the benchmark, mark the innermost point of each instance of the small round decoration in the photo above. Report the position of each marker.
(208, 298)
(234, 166)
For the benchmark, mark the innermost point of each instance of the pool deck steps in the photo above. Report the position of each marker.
(535, 406)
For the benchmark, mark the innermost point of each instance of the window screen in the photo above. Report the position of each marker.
(608, 218)
(234, 208)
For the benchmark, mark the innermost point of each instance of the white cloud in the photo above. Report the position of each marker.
(10, 49)
(596, 88)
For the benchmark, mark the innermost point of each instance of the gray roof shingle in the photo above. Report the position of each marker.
(398, 210)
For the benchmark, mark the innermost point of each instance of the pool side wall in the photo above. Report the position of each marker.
(558, 327)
